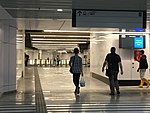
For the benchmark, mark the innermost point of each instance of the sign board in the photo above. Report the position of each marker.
(109, 13)
(136, 5)
(108, 18)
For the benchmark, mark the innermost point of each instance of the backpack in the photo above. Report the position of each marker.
(143, 63)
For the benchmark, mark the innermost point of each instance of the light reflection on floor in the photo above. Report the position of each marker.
(58, 91)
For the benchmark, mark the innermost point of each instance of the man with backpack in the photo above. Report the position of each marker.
(143, 65)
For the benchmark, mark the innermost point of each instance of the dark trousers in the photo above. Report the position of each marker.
(26, 63)
(113, 81)
(76, 77)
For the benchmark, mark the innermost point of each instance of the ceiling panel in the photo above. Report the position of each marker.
(43, 15)
(44, 9)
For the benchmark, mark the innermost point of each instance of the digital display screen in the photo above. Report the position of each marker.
(126, 42)
(132, 42)
(139, 29)
(139, 42)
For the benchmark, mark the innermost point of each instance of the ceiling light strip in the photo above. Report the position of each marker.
(60, 36)
(66, 31)
(107, 32)
(37, 39)
(47, 42)
(57, 44)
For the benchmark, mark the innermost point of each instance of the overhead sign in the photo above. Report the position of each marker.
(109, 14)
(108, 18)
(136, 5)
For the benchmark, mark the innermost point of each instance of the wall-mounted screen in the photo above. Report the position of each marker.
(139, 42)
(125, 42)
(131, 42)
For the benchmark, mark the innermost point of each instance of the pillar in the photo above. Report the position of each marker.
(8, 52)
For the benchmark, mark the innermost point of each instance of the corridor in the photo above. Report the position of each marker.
(58, 92)
(50, 90)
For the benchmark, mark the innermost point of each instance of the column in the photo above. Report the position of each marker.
(8, 52)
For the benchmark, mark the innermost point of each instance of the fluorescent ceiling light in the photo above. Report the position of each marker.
(59, 9)
(52, 47)
(58, 36)
(107, 32)
(62, 51)
(42, 42)
(131, 33)
(56, 44)
(19, 35)
(66, 31)
(34, 39)
(62, 47)
(19, 41)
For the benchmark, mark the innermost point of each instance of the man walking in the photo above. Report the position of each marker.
(76, 64)
(113, 62)
(143, 65)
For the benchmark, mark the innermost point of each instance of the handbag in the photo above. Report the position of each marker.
(82, 82)
(108, 72)
(71, 70)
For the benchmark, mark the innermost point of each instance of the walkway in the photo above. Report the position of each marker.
(54, 94)
(58, 91)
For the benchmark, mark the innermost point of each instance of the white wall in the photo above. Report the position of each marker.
(101, 47)
(8, 52)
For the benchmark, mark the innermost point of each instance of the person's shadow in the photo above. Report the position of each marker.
(114, 101)
(76, 107)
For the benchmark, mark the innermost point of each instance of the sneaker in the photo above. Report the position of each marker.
(78, 90)
(111, 93)
(118, 92)
(140, 86)
(148, 86)
(75, 91)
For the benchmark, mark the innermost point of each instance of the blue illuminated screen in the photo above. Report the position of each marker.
(139, 42)
(139, 29)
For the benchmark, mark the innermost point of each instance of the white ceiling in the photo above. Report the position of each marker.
(43, 15)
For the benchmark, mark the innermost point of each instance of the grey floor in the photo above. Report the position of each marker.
(57, 90)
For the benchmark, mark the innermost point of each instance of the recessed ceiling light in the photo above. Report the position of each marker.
(59, 9)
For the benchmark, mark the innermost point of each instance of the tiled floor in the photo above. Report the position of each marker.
(22, 100)
(58, 93)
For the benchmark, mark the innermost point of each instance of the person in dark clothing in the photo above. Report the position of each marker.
(58, 60)
(76, 64)
(113, 62)
(143, 65)
(26, 59)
